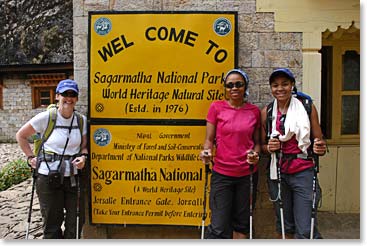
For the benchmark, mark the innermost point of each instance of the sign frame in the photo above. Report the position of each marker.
(93, 121)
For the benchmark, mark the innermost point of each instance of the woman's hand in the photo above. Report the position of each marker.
(273, 145)
(319, 146)
(206, 156)
(32, 161)
(79, 162)
(252, 157)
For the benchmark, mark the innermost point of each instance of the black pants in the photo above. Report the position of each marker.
(58, 206)
(230, 205)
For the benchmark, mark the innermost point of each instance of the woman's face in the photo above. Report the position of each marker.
(281, 88)
(67, 99)
(235, 86)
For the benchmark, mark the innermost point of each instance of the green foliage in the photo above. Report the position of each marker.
(14, 173)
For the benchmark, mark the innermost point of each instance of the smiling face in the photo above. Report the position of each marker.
(67, 99)
(235, 86)
(281, 88)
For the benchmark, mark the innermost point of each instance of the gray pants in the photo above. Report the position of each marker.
(296, 194)
(53, 202)
(230, 205)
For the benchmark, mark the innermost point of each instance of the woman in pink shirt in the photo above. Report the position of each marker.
(234, 125)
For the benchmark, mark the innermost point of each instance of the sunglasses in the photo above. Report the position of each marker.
(69, 94)
(237, 84)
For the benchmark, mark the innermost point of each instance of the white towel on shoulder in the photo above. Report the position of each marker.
(296, 122)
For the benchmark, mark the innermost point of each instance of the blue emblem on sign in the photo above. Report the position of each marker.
(102, 137)
(222, 26)
(102, 26)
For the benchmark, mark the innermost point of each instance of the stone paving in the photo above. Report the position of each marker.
(15, 201)
(14, 210)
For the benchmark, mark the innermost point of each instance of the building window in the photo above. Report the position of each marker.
(340, 110)
(43, 88)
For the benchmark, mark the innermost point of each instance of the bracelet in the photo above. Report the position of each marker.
(29, 158)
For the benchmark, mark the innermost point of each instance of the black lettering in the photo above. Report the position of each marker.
(147, 33)
(105, 51)
(190, 37)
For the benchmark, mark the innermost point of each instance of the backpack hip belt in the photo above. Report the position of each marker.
(297, 156)
(51, 157)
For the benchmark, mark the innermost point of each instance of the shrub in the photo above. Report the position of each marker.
(13, 173)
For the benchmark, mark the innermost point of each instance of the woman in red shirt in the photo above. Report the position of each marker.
(234, 123)
(287, 138)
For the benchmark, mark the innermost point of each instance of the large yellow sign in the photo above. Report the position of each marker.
(158, 65)
(147, 73)
(147, 174)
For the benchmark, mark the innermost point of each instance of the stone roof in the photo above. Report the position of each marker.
(36, 31)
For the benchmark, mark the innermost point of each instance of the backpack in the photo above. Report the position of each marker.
(304, 98)
(39, 139)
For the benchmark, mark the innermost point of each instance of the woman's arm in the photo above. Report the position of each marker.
(80, 161)
(208, 143)
(22, 138)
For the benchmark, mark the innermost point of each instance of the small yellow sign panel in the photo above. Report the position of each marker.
(147, 175)
(158, 65)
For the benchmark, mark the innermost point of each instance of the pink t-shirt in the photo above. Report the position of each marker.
(291, 147)
(234, 136)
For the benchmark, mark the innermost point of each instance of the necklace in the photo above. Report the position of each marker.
(284, 109)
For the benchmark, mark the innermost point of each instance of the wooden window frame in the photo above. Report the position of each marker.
(44, 83)
(332, 93)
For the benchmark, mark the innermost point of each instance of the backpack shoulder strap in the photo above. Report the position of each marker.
(80, 121)
(41, 139)
(306, 101)
(269, 118)
(52, 115)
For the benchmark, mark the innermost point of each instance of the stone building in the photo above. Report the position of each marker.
(35, 53)
(317, 40)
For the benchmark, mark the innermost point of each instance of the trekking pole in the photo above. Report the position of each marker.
(313, 213)
(207, 171)
(281, 204)
(31, 203)
(77, 208)
(251, 196)
(279, 156)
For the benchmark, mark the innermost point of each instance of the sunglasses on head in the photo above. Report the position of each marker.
(237, 84)
(69, 94)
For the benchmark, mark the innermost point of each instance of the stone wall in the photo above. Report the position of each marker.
(17, 106)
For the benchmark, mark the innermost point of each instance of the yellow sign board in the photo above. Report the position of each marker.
(147, 175)
(158, 65)
(148, 68)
